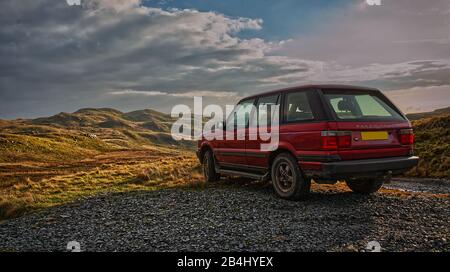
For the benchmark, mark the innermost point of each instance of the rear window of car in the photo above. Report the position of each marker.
(348, 105)
(298, 108)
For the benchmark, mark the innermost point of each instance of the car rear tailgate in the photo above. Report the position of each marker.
(372, 140)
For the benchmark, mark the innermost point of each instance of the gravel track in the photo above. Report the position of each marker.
(436, 186)
(242, 217)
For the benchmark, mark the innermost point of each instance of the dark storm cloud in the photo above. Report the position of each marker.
(118, 53)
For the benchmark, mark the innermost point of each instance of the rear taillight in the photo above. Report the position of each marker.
(336, 139)
(406, 136)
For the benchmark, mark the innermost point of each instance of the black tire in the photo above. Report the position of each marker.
(288, 180)
(209, 169)
(365, 186)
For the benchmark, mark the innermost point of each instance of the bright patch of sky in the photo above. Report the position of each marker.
(281, 19)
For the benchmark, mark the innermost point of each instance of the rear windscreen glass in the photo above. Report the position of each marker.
(360, 106)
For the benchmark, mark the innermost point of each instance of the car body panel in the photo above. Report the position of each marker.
(303, 139)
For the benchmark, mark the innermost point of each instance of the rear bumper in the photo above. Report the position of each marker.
(368, 167)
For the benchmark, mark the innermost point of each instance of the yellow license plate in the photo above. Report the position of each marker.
(374, 135)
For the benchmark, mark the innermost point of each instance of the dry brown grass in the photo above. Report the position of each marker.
(25, 190)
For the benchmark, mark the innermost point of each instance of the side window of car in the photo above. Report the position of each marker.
(241, 114)
(264, 108)
(297, 107)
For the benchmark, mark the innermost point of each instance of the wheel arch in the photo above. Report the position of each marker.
(203, 149)
(280, 150)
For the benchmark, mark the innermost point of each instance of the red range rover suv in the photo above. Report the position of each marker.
(327, 133)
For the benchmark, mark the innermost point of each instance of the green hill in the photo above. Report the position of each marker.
(67, 136)
(432, 144)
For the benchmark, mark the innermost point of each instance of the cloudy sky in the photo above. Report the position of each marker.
(134, 54)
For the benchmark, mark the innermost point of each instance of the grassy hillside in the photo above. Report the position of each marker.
(34, 186)
(53, 160)
(422, 115)
(71, 136)
(49, 148)
(432, 144)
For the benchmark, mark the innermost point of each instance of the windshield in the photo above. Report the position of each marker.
(349, 105)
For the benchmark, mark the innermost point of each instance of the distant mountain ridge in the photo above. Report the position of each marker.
(417, 116)
(86, 131)
(108, 118)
